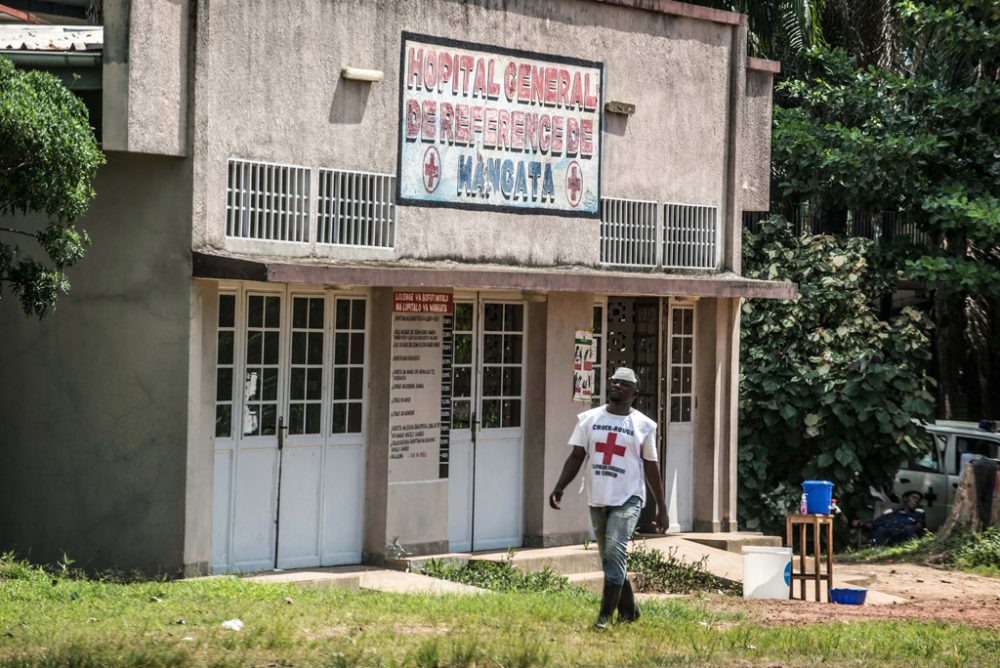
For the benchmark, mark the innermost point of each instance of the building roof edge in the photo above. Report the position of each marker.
(674, 8)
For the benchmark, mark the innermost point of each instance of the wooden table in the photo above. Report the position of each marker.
(821, 524)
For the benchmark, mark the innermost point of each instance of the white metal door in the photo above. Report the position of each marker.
(289, 440)
(679, 459)
(485, 484)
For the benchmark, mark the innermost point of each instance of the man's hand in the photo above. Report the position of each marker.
(570, 468)
(662, 520)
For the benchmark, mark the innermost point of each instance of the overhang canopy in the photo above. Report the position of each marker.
(448, 274)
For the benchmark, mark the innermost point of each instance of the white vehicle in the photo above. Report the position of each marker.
(949, 446)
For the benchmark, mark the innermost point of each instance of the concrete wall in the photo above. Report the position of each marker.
(146, 53)
(268, 88)
(755, 171)
(95, 399)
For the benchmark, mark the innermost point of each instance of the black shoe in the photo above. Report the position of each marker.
(628, 611)
(609, 601)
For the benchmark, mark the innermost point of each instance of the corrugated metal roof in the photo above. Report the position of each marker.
(22, 37)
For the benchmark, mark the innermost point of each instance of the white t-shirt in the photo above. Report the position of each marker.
(616, 446)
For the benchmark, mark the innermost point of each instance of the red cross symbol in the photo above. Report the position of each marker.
(432, 170)
(574, 184)
(609, 449)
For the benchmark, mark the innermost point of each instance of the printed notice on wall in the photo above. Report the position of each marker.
(492, 128)
(417, 383)
(583, 366)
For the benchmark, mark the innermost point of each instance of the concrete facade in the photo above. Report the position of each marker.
(132, 464)
(94, 406)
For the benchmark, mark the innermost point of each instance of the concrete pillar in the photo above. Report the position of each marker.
(716, 396)
(199, 479)
(377, 445)
(729, 522)
(545, 454)
(732, 208)
(534, 423)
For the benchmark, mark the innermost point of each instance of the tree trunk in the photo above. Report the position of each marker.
(950, 354)
(977, 501)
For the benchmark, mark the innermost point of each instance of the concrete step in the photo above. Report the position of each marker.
(735, 541)
(411, 583)
(344, 577)
(567, 560)
(592, 581)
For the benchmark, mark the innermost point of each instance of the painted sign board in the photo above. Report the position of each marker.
(414, 397)
(422, 302)
(489, 128)
(583, 365)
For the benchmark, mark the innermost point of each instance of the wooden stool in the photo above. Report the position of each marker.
(818, 523)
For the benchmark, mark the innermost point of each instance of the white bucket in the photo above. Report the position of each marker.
(767, 572)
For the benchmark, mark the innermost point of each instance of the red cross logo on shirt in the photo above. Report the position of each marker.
(610, 449)
(574, 183)
(432, 169)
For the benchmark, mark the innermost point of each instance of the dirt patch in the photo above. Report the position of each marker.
(923, 583)
(929, 594)
(979, 612)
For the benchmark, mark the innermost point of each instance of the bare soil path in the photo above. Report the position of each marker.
(931, 594)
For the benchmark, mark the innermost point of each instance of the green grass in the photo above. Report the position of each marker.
(62, 620)
(976, 553)
(914, 551)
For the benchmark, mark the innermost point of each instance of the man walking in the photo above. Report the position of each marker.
(620, 443)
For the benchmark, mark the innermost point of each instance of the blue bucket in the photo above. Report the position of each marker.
(819, 494)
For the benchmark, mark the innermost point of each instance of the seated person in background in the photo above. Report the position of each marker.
(901, 524)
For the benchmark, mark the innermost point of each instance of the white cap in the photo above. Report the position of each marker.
(624, 373)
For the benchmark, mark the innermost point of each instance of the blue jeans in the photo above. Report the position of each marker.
(613, 526)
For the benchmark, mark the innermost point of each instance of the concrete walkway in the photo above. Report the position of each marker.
(365, 577)
(580, 564)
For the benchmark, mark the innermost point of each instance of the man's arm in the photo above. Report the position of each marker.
(652, 470)
(570, 468)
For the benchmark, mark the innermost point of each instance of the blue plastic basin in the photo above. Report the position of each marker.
(845, 596)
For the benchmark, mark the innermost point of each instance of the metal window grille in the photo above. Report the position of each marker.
(356, 209)
(267, 201)
(628, 232)
(689, 236)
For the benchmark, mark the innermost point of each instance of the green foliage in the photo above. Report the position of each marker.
(48, 160)
(827, 389)
(497, 576)
(916, 137)
(777, 27)
(978, 552)
(655, 572)
(921, 140)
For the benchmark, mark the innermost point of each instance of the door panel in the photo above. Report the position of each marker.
(221, 487)
(487, 438)
(678, 465)
(343, 509)
(253, 509)
(460, 494)
(297, 407)
(298, 540)
(679, 469)
(498, 491)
